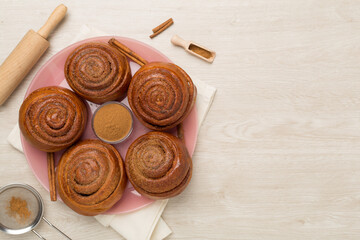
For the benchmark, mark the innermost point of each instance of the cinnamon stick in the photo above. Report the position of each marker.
(51, 175)
(139, 60)
(127, 52)
(159, 29)
(162, 25)
(180, 132)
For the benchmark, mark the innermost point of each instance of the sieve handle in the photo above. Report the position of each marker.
(38, 234)
(47, 221)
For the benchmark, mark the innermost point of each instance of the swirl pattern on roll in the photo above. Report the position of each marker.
(161, 95)
(91, 177)
(98, 72)
(52, 118)
(158, 165)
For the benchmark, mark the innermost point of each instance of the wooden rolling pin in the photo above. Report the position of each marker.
(28, 51)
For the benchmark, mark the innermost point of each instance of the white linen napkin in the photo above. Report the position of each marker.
(146, 223)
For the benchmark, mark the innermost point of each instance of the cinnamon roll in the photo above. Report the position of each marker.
(98, 72)
(161, 95)
(91, 177)
(52, 118)
(158, 165)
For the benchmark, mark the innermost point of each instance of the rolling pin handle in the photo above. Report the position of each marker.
(176, 40)
(55, 18)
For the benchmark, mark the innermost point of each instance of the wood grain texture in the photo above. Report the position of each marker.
(20, 62)
(54, 19)
(278, 155)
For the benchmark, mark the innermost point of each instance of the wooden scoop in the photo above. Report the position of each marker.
(28, 51)
(194, 48)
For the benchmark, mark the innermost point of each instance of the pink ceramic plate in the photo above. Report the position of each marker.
(52, 74)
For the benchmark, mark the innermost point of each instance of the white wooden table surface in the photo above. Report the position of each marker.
(278, 156)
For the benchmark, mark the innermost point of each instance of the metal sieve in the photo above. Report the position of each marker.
(12, 224)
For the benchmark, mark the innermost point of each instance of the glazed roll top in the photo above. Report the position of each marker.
(161, 95)
(52, 118)
(98, 72)
(91, 177)
(158, 165)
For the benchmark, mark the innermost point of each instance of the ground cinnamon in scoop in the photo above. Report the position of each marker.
(112, 122)
(18, 209)
(200, 51)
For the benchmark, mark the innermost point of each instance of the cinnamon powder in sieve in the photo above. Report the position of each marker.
(112, 122)
(18, 209)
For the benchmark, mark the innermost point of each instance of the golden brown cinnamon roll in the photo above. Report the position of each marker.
(161, 95)
(158, 165)
(98, 72)
(52, 118)
(91, 177)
